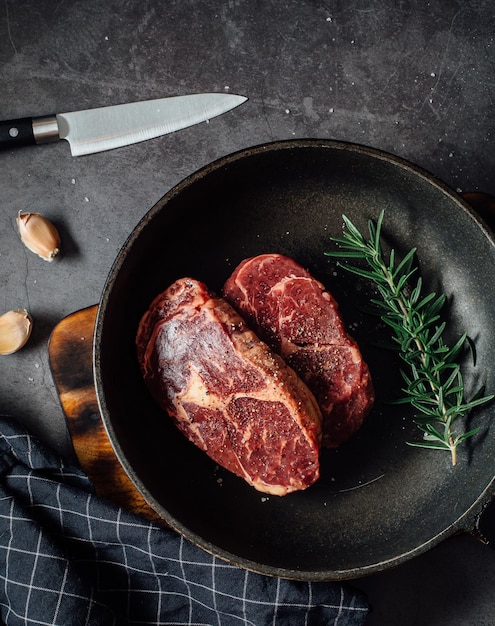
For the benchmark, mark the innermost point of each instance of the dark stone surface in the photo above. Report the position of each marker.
(414, 79)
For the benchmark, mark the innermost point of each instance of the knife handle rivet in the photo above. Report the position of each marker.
(13, 132)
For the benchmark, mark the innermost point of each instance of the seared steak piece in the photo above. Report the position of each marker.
(299, 319)
(227, 391)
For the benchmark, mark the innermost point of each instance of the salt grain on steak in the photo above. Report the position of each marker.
(227, 391)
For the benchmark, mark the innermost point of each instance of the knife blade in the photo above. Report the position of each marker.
(106, 128)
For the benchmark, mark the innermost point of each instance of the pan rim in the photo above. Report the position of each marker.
(463, 523)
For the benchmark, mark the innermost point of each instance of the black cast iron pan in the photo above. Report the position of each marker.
(378, 501)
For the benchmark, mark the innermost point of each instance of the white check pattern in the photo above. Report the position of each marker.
(69, 558)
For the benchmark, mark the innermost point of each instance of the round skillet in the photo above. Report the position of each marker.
(378, 501)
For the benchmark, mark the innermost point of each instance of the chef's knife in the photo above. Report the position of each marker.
(110, 127)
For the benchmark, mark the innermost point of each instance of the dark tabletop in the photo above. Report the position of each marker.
(414, 79)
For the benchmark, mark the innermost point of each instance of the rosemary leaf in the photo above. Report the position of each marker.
(406, 265)
(427, 444)
(465, 436)
(433, 382)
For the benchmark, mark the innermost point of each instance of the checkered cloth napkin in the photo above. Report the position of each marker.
(69, 558)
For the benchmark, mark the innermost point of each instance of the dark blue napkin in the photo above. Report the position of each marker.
(70, 558)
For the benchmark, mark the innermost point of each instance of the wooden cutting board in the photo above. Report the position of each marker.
(71, 360)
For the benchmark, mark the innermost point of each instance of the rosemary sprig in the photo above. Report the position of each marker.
(433, 381)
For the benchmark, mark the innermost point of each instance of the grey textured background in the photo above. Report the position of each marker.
(415, 79)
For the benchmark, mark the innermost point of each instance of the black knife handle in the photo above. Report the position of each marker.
(15, 133)
(27, 131)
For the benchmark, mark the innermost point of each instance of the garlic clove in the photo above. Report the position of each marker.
(39, 235)
(15, 329)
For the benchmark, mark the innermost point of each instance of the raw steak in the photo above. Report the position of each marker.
(227, 391)
(299, 319)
